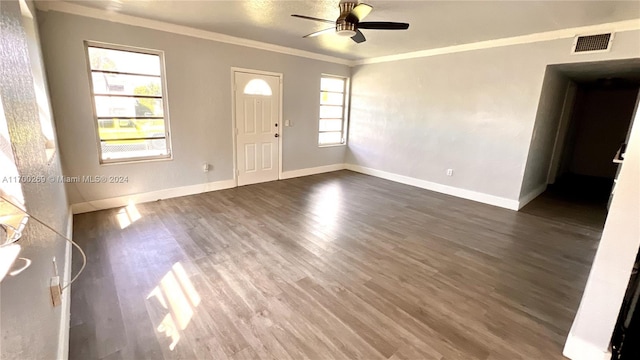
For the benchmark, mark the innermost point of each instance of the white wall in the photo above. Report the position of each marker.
(470, 111)
(29, 323)
(593, 326)
(199, 93)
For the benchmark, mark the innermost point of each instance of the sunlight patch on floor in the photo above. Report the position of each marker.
(128, 215)
(176, 294)
(326, 207)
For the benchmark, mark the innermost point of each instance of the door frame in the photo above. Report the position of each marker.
(234, 135)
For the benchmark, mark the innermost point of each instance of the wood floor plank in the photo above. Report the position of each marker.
(358, 323)
(343, 337)
(332, 266)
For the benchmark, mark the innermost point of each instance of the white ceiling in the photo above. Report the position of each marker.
(434, 24)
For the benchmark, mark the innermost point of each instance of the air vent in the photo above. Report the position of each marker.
(592, 43)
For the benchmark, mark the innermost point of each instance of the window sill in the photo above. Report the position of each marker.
(135, 161)
(331, 145)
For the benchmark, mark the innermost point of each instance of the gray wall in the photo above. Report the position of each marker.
(473, 112)
(29, 323)
(550, 106)
(198, 74)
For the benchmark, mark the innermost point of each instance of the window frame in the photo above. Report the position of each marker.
(165, 103)
(345, 110)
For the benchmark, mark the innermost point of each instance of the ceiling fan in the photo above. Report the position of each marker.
(350, 22)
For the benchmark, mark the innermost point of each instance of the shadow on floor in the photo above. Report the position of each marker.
(574, 199)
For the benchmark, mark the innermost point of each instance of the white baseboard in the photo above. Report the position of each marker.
(65, 309)
(227, 184)
(311, 171)
(115, 202)
(445, 189)
(531, 195)
(578, 349)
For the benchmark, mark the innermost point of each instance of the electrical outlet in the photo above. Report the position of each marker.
(56, 291)
(449, 172)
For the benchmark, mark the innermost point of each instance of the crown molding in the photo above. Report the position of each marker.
(70, 8)
(101, 14)
(620, 26)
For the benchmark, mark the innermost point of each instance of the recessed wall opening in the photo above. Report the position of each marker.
(587, 119)
(583, 123)
(597, 131)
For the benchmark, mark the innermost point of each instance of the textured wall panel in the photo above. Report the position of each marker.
(29, 324)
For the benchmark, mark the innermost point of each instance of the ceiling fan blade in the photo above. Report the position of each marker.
(383, 25)
(358, 37)
(321, 32)
(361, 11)
(312, 18)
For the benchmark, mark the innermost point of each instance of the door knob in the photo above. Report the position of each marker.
(276, 135)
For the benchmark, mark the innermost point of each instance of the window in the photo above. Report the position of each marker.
(129, 102)
(332, 110)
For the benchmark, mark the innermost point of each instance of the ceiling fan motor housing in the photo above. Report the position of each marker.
(346, 29)
(346, 25)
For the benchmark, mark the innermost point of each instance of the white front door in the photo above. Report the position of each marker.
(257, 111)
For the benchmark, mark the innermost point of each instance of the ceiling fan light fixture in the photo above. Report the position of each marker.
(346, 33)
(345, 29)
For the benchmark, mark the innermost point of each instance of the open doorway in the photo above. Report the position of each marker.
(602, 114)
(585, 129)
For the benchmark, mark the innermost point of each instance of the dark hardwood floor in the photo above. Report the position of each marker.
(574, 199)
(338, 265)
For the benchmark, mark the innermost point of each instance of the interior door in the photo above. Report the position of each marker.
(257, 111)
